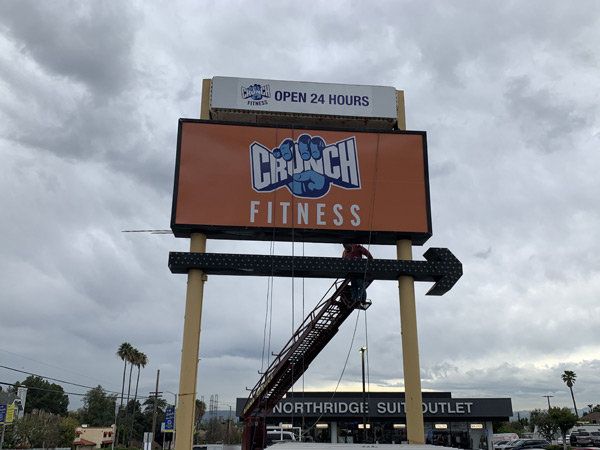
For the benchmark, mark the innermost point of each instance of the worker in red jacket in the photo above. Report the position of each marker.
(357, 288)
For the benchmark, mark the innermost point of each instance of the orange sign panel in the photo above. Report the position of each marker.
(318, 185)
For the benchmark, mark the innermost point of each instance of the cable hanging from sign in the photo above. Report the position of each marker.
(366, 265)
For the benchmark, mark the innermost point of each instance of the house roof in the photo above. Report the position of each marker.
(8, 398)
(84, 442)
(592, 417)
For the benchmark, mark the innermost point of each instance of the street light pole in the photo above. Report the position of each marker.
(155, 396)
(175, 405)
(228, 422)
(362, 356)
(548, 397)
(229, 427)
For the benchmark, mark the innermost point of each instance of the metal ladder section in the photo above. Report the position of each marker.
(310, 338)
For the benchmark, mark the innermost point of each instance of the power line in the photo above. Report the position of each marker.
(43, 389)
(50, 365)
(60, 381)
(36, 388)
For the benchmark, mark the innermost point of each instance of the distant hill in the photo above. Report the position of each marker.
(520, 414)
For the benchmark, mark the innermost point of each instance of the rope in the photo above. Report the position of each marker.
(293, 250)
(372, 203)
(364, 280)
(269, 306)
(268, 318)
(368, 372)
(341, 374)
(303, 361)
(269, 301)
(368, 389)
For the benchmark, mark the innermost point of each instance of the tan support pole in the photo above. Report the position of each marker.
(188, 377)
(205, 107)
(410, 350)
(190, 349)
(408, 322)
(401, 110)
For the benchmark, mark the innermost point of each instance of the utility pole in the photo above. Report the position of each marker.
(548, 397)
(114, 436)
(155, 395)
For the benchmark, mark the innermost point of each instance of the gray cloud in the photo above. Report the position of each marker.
(91, 97)
(87, 41)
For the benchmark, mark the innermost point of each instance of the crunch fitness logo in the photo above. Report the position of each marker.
(307, 167)
(256, 94)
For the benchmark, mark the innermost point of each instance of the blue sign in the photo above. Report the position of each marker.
(170, 420)
(2, 413)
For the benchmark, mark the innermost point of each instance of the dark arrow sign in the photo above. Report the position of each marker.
(441, 267)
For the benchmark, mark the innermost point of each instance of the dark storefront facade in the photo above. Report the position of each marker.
(452, 422)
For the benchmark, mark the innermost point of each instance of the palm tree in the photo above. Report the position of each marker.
(569, 378)
(139, 360)
(123, 352)
(130, 358)
(199, 411)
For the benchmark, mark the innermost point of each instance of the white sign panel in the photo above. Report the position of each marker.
(294, 97)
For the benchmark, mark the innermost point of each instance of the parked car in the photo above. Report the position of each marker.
(580, 439)
(506, 444)
(522, 444)
(595, 435)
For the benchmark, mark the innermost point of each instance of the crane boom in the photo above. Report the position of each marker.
(311, 337)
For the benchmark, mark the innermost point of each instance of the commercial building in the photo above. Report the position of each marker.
(96, 437)
(338, 418)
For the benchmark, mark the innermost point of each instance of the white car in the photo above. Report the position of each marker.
(506, 444)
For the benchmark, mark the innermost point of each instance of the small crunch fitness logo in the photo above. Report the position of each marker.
(307, 167)
(256, 94)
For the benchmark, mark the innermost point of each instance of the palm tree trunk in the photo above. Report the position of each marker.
(123, 385)
(574, 405)
(135, 400)
(116, 438)
(128, 395)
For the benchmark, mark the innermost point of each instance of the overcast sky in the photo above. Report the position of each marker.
(508, 93)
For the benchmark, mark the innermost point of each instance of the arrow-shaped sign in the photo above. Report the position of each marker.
(441, 267)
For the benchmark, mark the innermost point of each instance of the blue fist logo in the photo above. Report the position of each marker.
(307, 167)
(308, 183)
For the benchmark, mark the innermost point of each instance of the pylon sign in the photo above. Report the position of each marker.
(248, 181)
